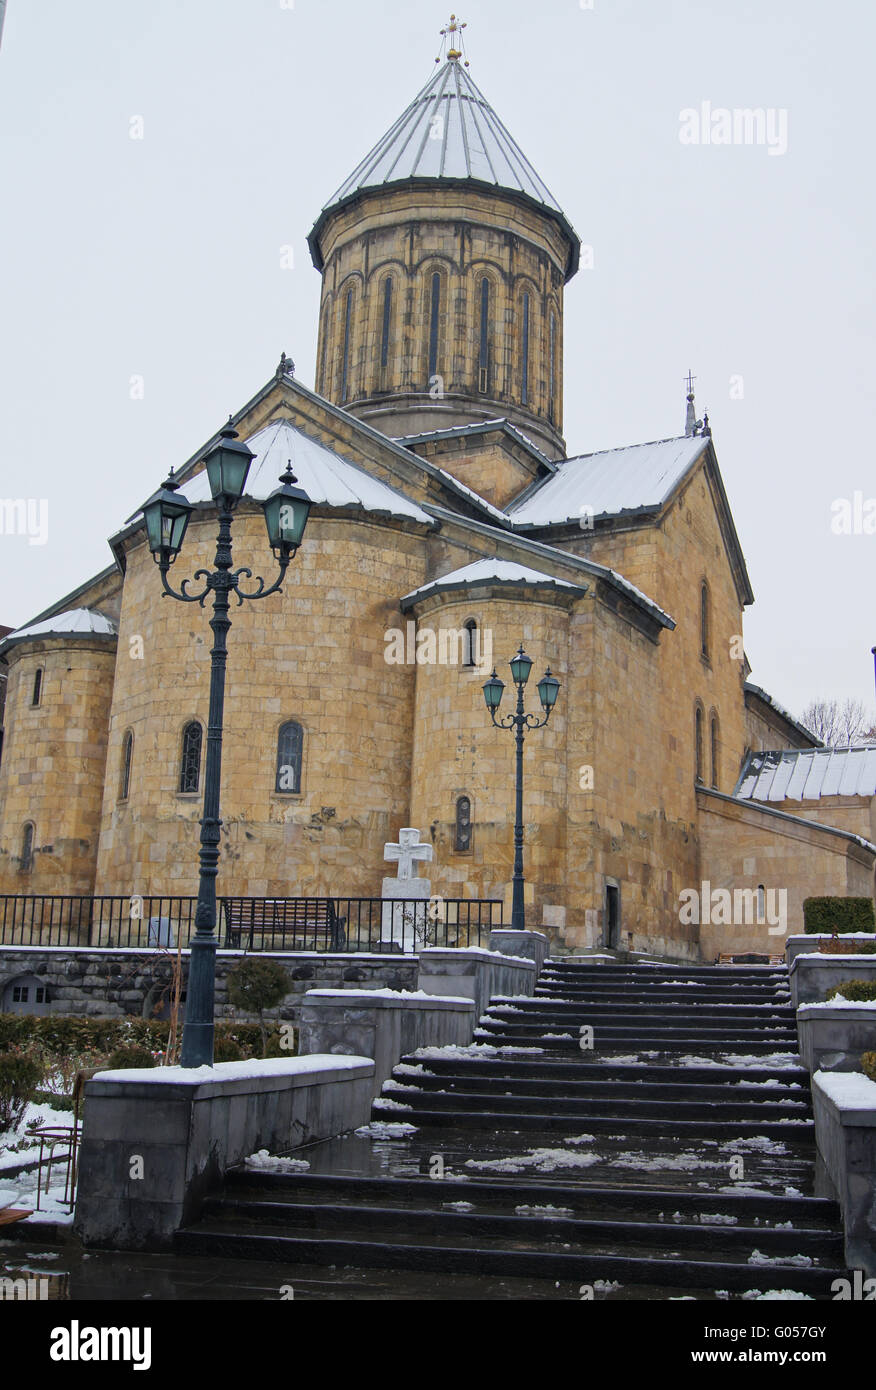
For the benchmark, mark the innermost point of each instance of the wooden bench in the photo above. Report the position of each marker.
(303, 924)
(748, 958)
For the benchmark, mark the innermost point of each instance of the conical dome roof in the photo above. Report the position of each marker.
(449, 133)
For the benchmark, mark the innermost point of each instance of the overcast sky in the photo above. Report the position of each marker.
(160, 257)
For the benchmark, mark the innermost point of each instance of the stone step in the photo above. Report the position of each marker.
(560, 1012)
(500, 1083)
(617, 1107)
(544, 1230)
(624, 1204)
(567, 1071)
(787, 1130)
(395, 1251)
(607, 1036)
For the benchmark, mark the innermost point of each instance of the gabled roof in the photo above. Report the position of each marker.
(807, 774)
(754, 693)
(449, 133)
(328, 479)
(492, 571)
(638, 478)
(76, 622)
(501, 424)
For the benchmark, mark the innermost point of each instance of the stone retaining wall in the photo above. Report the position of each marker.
(128, 982)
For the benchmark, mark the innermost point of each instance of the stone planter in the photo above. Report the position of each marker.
(844, 1106)
(812, 975)
(802, 943)
(383, 1025)
(832, 1036)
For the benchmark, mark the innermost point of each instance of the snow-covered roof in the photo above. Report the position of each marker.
(81, 622)
(449, 131)
(328, 479)
(806, 774)
(761, 694)
(493, 571)
(639, 477)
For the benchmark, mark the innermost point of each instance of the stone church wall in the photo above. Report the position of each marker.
(458, 753)
(743, 845)
(54, 760)
(314, 654)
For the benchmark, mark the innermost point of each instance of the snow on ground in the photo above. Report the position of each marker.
(548, 1210)
(452, 1050)
(382, 1103)
(757, 1144)
(18, 1146)
(802, 1261)
(543, 1160)
(386, 1129)
(264, 1162)
(459, 1206)
(406, 1069)
(773, 1295)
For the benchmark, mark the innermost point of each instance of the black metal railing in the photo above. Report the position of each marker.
(254, 924)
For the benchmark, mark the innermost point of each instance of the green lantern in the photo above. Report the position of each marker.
(166, 515)
(521, 665)
(227, 466)
(286, 512)
(493, 689)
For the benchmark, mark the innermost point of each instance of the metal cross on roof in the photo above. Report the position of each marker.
(690, 382)
(453, 34)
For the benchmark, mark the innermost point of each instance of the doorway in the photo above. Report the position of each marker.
(611, 935)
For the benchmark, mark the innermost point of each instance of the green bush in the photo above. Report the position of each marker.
(857, 991)
(225, 1049)
(838, 915)
(72, 1036)
(20, 1075)
(130, 1056)
(256, 985)
(868, 1064)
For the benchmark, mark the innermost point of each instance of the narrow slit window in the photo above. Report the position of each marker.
(434, 312)
(127, 759)
(190, 763)
(387, 320)
(345, 371)
(524, 356)
(698, 739)
(36, 696)
(484, 351)
(470, 643)
(704, 619)
(462, 837)
(27, 847)
(553, 366)
(713, 739)
(290, 744)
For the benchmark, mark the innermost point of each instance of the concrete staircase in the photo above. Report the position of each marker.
(675, 1153)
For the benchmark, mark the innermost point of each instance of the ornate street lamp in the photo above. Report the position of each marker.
(548, 689)
(166, 515)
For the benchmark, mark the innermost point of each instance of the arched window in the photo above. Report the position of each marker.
(524, 352)
(484, 349)
(462, 836)
(27, 847)
(470, 643)
(698, 742)
(714, 734)
(127, 756)
(345, 367)
(704, 619)
(290, 745)
(552, 367)
(37, 686)
(190, 762)
(387, 321)
(434, 316)
(326, 331)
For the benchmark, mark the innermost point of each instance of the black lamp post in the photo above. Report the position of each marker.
(167, 516)
(548, 689)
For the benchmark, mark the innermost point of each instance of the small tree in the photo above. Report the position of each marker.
(256, 985)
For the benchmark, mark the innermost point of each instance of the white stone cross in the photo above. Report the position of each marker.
(407, 851)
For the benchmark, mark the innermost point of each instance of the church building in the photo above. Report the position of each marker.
(450, 523)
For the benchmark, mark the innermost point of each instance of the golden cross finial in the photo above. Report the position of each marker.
(452, 36)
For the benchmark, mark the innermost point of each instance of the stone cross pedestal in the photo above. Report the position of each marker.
(402, 923)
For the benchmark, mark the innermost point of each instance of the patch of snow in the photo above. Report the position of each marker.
(758, 1144)
(264, 1162)
(544, 1160)
(382, 1103)
(547, 1210)
(773, 1295)
(801, 1261)
(385, 1129)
